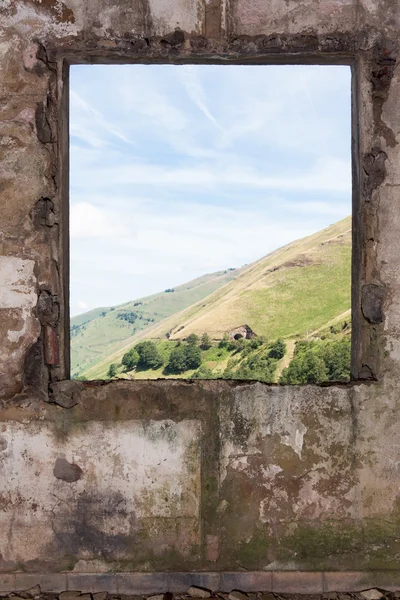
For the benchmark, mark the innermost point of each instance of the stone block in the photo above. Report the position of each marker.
(141, 583)
(48, 582)
(179, 583)
(298, 582)
(99, 582)
(251, 581)
(7, 582)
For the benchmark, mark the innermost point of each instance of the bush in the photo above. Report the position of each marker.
(203, 373)
(337, 359)
(149, 356)
(257, 342)
(205, 343)
(224, 342)
(112, 371)
(241, 344)
(192, 339)
(256, 367)
(227, 343)
(277, 349)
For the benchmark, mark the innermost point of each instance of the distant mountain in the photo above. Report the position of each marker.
(298, 290)
(100, 332)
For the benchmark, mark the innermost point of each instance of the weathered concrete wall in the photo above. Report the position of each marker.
(212, 476)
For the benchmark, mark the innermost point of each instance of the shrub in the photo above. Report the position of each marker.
(241, 344)
(205, 343)
(224, 342)
(203, 372)
(227, 343)
(192, 339)
(337, 359)
(112, 371)
(277, 349)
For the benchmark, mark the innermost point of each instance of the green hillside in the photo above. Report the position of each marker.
(296, 289)
(97, 334)
(302, 290)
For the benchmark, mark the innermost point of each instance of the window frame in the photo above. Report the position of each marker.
(64, 62)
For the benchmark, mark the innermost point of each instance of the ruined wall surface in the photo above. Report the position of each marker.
(180, 476)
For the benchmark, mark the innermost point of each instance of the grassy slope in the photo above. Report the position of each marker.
(96, 336)
(297, 288)
(302, 287)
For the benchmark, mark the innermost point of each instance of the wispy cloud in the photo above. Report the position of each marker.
(195, 91)
(89, 124)
(326, 174)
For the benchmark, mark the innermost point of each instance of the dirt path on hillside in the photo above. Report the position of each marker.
(284, 362)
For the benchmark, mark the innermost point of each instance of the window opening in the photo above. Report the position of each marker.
(210, 228)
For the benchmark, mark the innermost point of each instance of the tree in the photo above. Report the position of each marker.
(314, 368)
(205, 343)
(130, 359)
(177, 360)
(192, 339)
(149, 356)
(227, 343)
(277, 349)
(224, 342)
(112, 371)
(337, 359)
(192, 356)
(241, 344)
(184, 357)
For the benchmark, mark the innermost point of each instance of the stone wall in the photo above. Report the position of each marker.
(210, 476)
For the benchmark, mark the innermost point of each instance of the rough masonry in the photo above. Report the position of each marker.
(210, 477)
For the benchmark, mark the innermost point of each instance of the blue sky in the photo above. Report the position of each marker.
(177, 171)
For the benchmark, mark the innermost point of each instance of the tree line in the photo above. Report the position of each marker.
(314, 361)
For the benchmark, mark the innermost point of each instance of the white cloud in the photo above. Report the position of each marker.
(326, 174)
(89, 125)
(89, 221)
